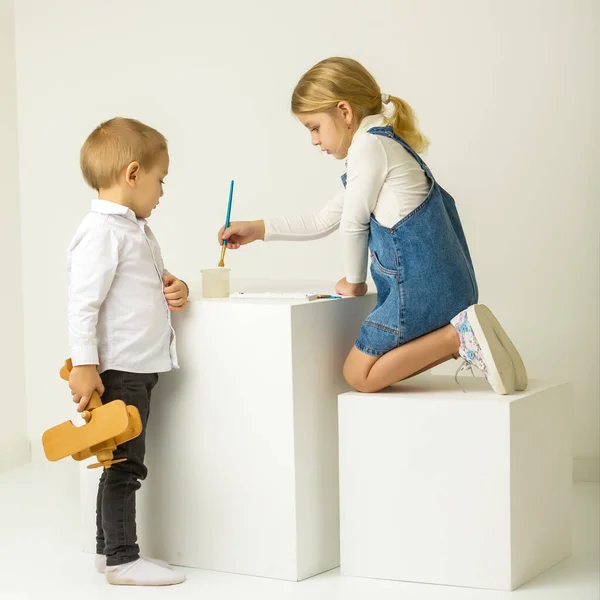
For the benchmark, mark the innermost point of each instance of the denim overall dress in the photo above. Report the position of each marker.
(421, 267)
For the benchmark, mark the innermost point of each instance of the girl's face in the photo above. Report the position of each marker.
(331, 131)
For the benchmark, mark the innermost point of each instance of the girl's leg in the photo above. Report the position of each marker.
(367, 373)
(474, 334)
(435, 364)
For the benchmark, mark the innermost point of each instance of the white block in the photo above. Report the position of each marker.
(243, 440)
(444, 487)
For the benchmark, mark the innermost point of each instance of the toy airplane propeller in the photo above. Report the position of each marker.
(107, 426)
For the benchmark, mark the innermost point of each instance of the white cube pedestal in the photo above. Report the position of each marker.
(445, 487)
(243, 440)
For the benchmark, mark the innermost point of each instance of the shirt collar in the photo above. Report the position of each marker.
(106, 207)
(366, 124)
(371, 121)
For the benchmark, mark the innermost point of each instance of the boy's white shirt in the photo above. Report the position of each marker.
(118, 315)
(383, 180)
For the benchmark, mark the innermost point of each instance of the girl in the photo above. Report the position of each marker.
(391, 207)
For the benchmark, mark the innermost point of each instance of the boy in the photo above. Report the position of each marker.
(120, 332)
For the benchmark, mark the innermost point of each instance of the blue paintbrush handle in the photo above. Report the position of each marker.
(227, 219)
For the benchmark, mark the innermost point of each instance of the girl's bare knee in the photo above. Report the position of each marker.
(357, 369)
(369, 387)
(358, 382)
(350, 375)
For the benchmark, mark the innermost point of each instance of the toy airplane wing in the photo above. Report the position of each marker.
(109, 421)
(134, 428)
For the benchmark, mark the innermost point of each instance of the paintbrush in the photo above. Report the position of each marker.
(227, 220)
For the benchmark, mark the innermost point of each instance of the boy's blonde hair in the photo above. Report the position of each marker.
(113, 145)
(336, 79)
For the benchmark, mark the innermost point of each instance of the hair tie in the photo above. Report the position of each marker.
(385, 98)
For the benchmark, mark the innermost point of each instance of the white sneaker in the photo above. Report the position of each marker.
(481, 348)
(521, 378)
(144, 573)
(100, 562)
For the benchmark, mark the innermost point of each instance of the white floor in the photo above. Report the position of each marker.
(40, 556)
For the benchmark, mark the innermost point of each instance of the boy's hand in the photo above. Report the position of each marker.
(241, 233)
(175, 291)
(83, 380)
(343, 288)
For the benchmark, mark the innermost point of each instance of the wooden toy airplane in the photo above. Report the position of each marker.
(107, 426)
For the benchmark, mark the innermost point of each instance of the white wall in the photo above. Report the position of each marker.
(506, 90)
(14, 445)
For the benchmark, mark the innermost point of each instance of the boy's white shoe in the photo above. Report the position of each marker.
(100, 562)
(144, 573)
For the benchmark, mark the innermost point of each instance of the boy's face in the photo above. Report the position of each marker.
(149, 187)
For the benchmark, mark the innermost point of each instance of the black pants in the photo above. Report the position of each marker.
(116, 535)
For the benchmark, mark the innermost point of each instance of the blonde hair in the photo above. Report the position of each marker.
(336, 79)
(113, 145)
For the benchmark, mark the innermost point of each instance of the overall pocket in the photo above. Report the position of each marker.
(386, 314)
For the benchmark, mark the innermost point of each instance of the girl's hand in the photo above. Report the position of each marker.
(241, 233)
(343, 288)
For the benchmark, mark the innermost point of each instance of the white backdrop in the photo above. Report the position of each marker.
(14, 446)
(506, 90)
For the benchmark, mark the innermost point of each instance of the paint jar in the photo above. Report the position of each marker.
(215, 282)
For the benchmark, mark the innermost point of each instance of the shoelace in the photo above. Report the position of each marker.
(464, 366)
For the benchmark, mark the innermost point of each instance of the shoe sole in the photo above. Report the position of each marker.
(521, 378)
(134, 582)
(501, 373)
